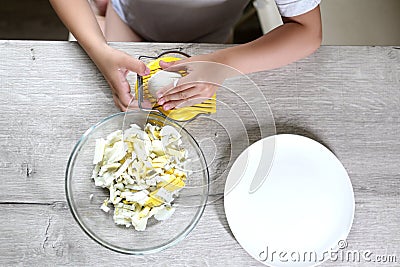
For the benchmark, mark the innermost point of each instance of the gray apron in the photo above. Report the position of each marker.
(210, 21)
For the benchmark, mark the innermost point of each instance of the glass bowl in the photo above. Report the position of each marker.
(85, 199)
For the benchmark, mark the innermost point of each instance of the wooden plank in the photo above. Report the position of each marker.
(48, 235)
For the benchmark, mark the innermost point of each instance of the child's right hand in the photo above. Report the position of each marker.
(115, 65)
(79, 18)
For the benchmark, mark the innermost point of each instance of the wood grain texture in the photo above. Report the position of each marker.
(347, 98)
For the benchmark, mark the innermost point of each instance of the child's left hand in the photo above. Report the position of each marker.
(203, 77)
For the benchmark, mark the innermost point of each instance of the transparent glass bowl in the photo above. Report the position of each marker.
(85, 199)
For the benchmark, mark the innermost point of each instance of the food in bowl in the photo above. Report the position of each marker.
(144, 170)
(99, 225)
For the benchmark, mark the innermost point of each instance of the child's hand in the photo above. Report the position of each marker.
(201, 82)
(115, 65)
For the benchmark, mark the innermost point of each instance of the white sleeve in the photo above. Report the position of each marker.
(291, 8)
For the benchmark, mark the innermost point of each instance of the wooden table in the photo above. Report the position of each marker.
(347, 98)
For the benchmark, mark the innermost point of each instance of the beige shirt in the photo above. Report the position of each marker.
(209, 21)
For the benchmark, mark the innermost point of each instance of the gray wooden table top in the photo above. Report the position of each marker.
(347, 98)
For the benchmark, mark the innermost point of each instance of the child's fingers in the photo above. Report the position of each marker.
(145, 104)
(125, 99)
(164, 65)
(181, 94)
(118, 103)
(122, 90)
(137, 66)
(171, 90)
(184, 102)
(173, 66)
(133, 103)
(183, 83)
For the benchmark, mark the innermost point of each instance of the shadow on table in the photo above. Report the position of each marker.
(293, 129)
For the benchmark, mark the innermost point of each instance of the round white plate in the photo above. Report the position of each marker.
(289, 201)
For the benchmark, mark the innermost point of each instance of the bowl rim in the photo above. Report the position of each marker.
(146, 251)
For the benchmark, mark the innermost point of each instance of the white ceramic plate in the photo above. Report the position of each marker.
(295, 211)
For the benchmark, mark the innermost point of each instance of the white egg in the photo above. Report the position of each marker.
(164, 213)
(161, 79)
(133, 165)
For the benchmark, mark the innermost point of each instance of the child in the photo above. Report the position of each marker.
(186, 21)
